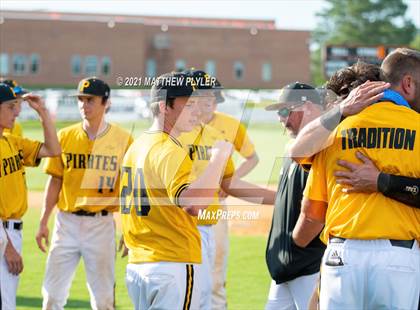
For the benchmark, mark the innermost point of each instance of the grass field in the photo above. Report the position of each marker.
(248, 280)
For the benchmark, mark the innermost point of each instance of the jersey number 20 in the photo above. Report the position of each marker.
(136, 193)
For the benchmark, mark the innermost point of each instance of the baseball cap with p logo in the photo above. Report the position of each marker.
(7, 94)
(92, 87)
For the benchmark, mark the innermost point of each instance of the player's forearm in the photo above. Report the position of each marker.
(400, 188)
(202, 191)
(313, 138)
(52, 193)
(247, 166)
(306, 230)
(248, 191)
(51, 145)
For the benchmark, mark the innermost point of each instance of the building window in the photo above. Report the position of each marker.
(76, 65)
(151, 67)
(4, 64)
(34, 63)
(106, 65)
(266, 72)
(211, 67)
(238, 70)
(180, 65)
(91, 64)
(19, 64)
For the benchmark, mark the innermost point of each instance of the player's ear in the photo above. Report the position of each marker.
(162, 107)
(107, 105)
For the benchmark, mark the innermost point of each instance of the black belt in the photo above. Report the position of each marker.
(15, 226)
(86, 213)
(408, 244)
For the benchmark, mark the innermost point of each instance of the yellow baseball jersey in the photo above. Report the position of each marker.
(234, 132)
(89, 168)
(390, 136)
(198, 144)
(156, 169)
(16, 130)
(15, 153)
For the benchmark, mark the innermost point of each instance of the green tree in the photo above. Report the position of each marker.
(416, 42)
(367, 22)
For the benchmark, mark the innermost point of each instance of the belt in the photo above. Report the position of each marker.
(86, 213)
(408, 244)
(13, 225)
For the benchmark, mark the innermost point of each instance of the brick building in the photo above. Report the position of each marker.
(58, 49)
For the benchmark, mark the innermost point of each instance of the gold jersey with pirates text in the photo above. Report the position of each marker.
(15, 154)
(198, 143)
(389, 135)
(89, 169)
(234, 132)
(156, 169)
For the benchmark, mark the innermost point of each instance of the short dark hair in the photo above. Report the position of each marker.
(154, 106)
(400, 62)
(345, 80)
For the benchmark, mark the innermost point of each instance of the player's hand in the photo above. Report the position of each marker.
(13, 260)
(122, 247)
(222, 194)
(359, 178)
(221, 150)
(363, 96)
(43, 234)
(35, 102)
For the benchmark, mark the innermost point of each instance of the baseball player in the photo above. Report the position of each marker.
(160, 199)
(376, 264)
(199, 143)
(294, 270)
(15, 153)
(235, 132)
(19, 91)
(83, 183)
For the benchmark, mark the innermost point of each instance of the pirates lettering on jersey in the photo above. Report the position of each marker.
(200, 152)
(11, 164)
(391, 138)
(91, 161)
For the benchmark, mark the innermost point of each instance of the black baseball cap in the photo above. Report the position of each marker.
(296, 93)
(19, 90)
(92, 86)
(205, 81)
(172, 85)
(7, 94)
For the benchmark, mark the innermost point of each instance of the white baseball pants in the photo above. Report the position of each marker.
(370, 274)
(204, 270)
(75, 237)
(163, 286)
(292, 295)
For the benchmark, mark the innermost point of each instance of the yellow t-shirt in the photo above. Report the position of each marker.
(198, 144)
(15, 153)
(89, 168)
(390, 136)
(16, 130)
(234, 132)
(156, 169)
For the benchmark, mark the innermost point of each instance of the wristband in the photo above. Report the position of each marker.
(331, 119)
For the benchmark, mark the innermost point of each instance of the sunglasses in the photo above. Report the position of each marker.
(284, 112)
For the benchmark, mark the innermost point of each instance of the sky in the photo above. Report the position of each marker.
(288, 14)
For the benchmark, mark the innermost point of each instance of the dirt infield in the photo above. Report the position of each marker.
(244, 219)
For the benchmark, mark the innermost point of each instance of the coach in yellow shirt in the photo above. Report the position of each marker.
(373, 249)
(84, 184)
(15, 154)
